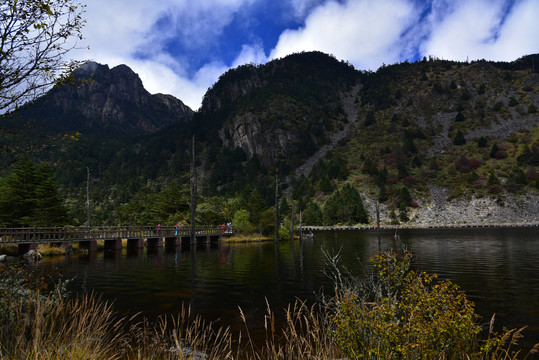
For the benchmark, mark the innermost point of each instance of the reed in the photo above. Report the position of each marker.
(56, 328)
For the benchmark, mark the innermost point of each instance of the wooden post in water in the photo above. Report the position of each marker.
(193, 194)
(378, 225)
(300, 225)
(88, 194)
(276, 210)
(292, 221)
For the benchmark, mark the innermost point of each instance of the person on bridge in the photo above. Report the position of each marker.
(158, 229)
(176, 229)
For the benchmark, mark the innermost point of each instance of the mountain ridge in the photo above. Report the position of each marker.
(107, 100)
(404, 136)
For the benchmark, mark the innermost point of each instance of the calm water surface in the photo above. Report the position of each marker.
(498, 269)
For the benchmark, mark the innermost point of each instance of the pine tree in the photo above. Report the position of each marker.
(459, 139)
(50, 209)
(312, 214)
(30, 197)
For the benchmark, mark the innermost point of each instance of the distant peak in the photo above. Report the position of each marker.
(90, 66)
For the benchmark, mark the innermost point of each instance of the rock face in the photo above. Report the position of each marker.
(107, 100)
(285, 109)
(477, 210)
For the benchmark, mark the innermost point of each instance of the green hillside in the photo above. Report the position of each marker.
(336, 136)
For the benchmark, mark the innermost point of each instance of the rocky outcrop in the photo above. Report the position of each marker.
(33, 255)
(107, 100)
(437, 209)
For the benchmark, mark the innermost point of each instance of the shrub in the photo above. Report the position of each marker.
(500, 154)
(241, 221)
(405, 315)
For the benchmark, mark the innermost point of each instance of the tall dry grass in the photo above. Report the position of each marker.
(56, 328)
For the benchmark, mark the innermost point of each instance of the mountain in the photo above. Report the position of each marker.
(432, 141)
(107, 101)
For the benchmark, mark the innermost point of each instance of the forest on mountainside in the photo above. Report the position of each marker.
(470, 129)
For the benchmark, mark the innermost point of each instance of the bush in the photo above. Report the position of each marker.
(404, 314)
(241, 221)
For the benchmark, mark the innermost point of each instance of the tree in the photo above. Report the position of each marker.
(312, 214)
(494, 150)
(50, 209)
(241, 221)
(459, 139)
(345, 206)
(29, 197)
(35, 36)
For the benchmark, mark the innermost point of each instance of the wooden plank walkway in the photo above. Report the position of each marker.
(421, 226)
(74, 234)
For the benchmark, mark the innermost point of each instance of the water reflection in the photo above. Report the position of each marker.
(497, 268)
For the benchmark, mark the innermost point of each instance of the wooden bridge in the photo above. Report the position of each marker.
(87, 237)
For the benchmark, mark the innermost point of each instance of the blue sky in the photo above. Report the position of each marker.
(181, 47)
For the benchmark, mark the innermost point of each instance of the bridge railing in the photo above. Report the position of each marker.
(69, 233)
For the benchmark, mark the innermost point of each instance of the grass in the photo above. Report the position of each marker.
(245, 238)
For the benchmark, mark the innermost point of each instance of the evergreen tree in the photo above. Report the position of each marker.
(459, 139)
(312, 214)
(494, 150)
(345, 207)
(30, 197)
(50, 209)
(354, 204)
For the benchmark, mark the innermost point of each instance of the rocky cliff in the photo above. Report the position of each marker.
(107, 100)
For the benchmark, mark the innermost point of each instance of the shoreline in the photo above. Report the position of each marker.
(420, 226)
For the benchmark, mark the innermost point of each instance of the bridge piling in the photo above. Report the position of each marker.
(172, 241)
(89, 245)
(113, 244)
(154, 242)
(135, 243)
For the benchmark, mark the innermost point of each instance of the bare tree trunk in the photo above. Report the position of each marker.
(292, 221)
(378, 226)
(301, 225)
(276, 205)
(88, 195)
(193, 193)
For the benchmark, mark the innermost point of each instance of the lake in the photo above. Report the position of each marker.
(498, 268)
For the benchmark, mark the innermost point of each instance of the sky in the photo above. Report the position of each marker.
(181, 47)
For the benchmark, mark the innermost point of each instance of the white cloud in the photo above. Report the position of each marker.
(364, 32)
(300, 8)
(474, 30)
(250, 54)
(134, 32)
